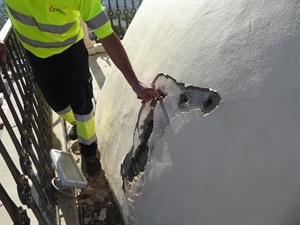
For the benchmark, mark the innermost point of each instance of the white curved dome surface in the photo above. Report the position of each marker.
(238, 164)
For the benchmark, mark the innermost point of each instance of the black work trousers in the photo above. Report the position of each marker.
(65, 81)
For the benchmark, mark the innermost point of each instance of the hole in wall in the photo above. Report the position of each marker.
(179, 98)
(183, 99)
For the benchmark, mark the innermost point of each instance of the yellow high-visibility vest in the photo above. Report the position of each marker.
(48, 27)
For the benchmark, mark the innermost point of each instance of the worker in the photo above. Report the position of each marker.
(52, 36)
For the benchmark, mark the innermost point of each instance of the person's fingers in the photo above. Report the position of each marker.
(145, 98)
(147, 93)
(157, 95)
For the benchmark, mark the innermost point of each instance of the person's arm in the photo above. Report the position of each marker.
(93, 14)
(118, 55)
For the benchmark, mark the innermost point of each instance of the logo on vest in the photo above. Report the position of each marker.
(53, 9)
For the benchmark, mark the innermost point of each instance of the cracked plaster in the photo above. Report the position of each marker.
(154, 118)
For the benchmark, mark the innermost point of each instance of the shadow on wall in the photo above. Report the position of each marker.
(155, 116)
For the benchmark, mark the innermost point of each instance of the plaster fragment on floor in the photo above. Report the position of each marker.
(102, 215)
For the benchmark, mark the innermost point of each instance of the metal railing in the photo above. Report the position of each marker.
(121, 13)
(32, 140)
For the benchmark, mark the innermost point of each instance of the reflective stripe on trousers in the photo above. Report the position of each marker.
(85, 125)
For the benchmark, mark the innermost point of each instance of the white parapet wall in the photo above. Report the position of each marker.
(223, 145)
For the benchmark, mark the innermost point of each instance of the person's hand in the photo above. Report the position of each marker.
(146, 93)
(2, 52)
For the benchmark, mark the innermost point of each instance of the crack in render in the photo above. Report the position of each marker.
(181, 97)
(139, 160)
(135, 161)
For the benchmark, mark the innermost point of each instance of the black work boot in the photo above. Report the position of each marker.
(93, 165)
(73, 133)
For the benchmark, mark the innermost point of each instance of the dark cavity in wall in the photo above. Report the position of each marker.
(136, 160)
(154, 118)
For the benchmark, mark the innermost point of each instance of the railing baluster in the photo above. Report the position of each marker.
(26, 93)
(28, 115)
(17, 214)
(125, 11)
(133, 9)
(24, 190)
(119, 17)
(26, 165)
(41, 169)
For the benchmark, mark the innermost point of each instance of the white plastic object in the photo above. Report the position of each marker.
(69, 173)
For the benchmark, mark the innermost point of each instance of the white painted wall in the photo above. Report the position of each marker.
(239, 164)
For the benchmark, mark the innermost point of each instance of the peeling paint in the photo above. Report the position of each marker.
(153, 119)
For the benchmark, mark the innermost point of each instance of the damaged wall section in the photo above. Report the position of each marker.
(155, 116)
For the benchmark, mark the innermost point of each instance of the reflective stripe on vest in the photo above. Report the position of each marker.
(30, 21)
(97, 21)
(40, 44)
